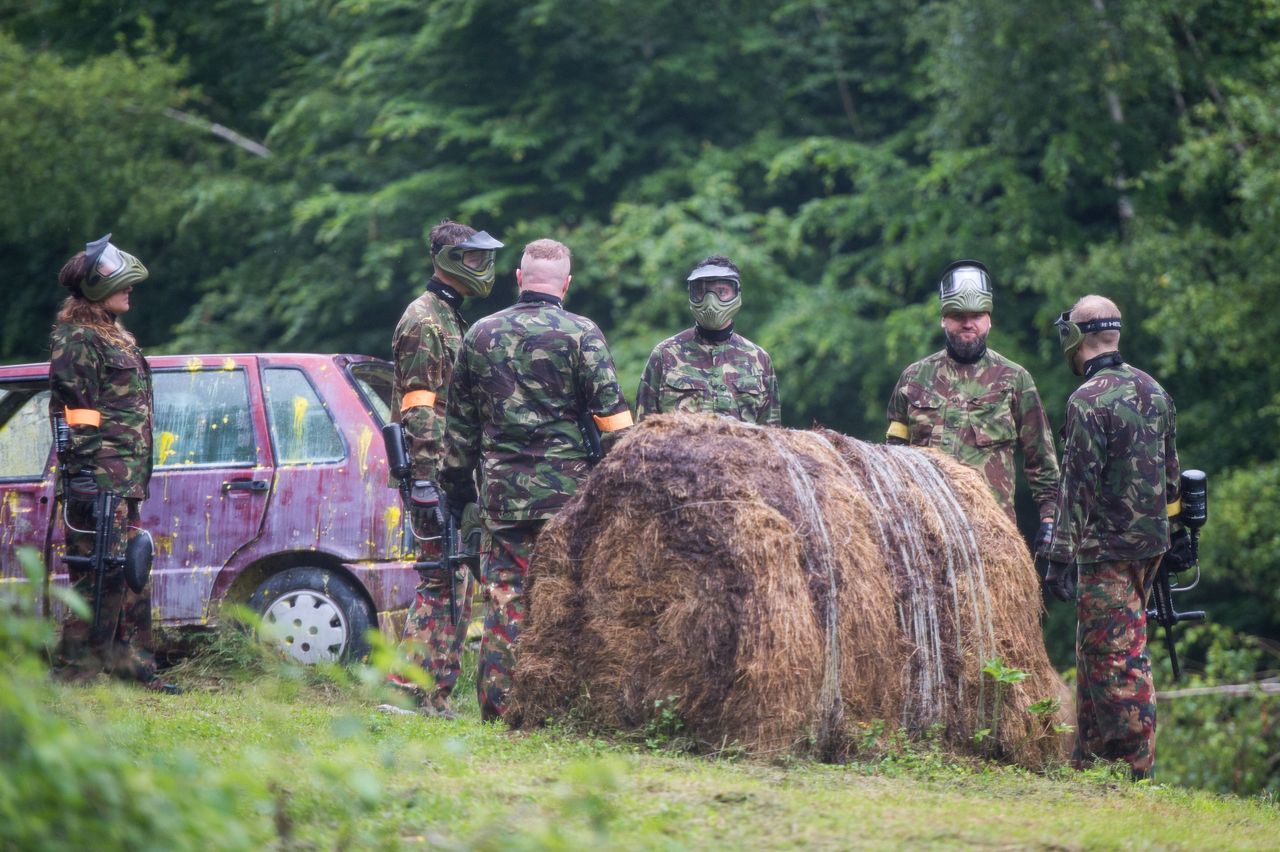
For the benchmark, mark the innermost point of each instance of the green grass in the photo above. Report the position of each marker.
(316, 765)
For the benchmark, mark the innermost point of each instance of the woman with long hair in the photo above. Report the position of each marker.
(101, 387)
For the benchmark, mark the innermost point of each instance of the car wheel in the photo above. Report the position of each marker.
(314, 614)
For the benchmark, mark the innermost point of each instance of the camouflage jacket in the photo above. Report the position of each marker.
(522, 377)
(1119, 468)
(95, 379)
(424, 347)
(979, 413)
(687, 372)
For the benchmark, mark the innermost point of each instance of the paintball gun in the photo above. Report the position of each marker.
(590, 437)
(429, 518)
(102, 560)
(1194, 495)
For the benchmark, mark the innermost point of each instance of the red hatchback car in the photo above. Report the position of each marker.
(269, 488)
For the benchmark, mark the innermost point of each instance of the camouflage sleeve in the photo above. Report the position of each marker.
(75, 377)
(648, 398)
(1172, 467)
(419, 354)
(1083, 455)
(896, 414)
(1035, 436)
(597, 382)
(773, 417)
(462, 431)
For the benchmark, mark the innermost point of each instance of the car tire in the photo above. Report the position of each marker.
(315, 614)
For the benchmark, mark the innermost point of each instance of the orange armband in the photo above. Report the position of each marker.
(613, 422)
(418, 398)
(83, 417)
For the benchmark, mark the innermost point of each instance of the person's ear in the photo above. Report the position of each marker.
(519, 278)
(565, 288)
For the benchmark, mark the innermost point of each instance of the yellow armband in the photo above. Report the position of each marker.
(1174, 509)
(898, 430)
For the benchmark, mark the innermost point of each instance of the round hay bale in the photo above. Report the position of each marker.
(785, 588)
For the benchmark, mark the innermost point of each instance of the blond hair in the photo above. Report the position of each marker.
(547, 249)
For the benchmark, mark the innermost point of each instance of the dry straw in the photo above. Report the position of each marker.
(790, 587)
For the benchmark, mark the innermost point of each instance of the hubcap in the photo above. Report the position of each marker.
(309, 625)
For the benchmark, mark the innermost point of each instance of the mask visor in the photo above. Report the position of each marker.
(724, 289)
(964, 278)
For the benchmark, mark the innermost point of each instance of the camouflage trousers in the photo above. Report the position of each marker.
(432, 639)
(506, 567)
(1115, 696)
(122, 644)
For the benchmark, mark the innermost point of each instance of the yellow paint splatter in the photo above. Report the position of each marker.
(164, 544)
(11, 502)
(193, 364)
(366, 440)
(229, 364)
(391, 518)
(166, 450)
(299, 416)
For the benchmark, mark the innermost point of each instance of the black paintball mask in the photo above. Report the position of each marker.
(1071, 334)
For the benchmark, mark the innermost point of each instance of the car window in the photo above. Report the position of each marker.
(374, 381)
(25, 435)
(302, 430)
(202, 418)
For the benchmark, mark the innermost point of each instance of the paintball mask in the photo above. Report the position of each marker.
(109, 270)
(1071, 334)
(470, 262)
(715, 295)
(965, 288)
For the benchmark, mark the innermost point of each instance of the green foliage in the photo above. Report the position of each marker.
(665, 728)
(1223, 741)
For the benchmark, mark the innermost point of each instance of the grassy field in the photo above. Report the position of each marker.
(305, 760)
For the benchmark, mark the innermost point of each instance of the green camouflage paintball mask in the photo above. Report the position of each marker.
(965, 288)
(715, 296)
(470, 263)
(110, 270)
(1071, 334)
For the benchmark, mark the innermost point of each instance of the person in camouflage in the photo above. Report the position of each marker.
(1118, 492)
(710, 368)
(424, 346)
(524, 380)
(975, 404)
(101, 385)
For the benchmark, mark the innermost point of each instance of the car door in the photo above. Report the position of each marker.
(26, 471)
(212, 479)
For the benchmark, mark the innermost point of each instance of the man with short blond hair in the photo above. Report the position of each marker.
(525, 378)
(1116, 504)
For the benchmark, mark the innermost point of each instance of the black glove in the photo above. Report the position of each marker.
(1181, 554)
(1044, 536)
(1059, 579)
(82, 488)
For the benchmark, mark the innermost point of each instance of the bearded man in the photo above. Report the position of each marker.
(973, 403)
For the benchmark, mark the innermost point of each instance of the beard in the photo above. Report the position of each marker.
(966, 351)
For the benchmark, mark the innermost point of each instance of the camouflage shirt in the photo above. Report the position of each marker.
(979, 413)
(688, 372)
(424, 347)
(90, 374)
(522, 377)
(1119, 467)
